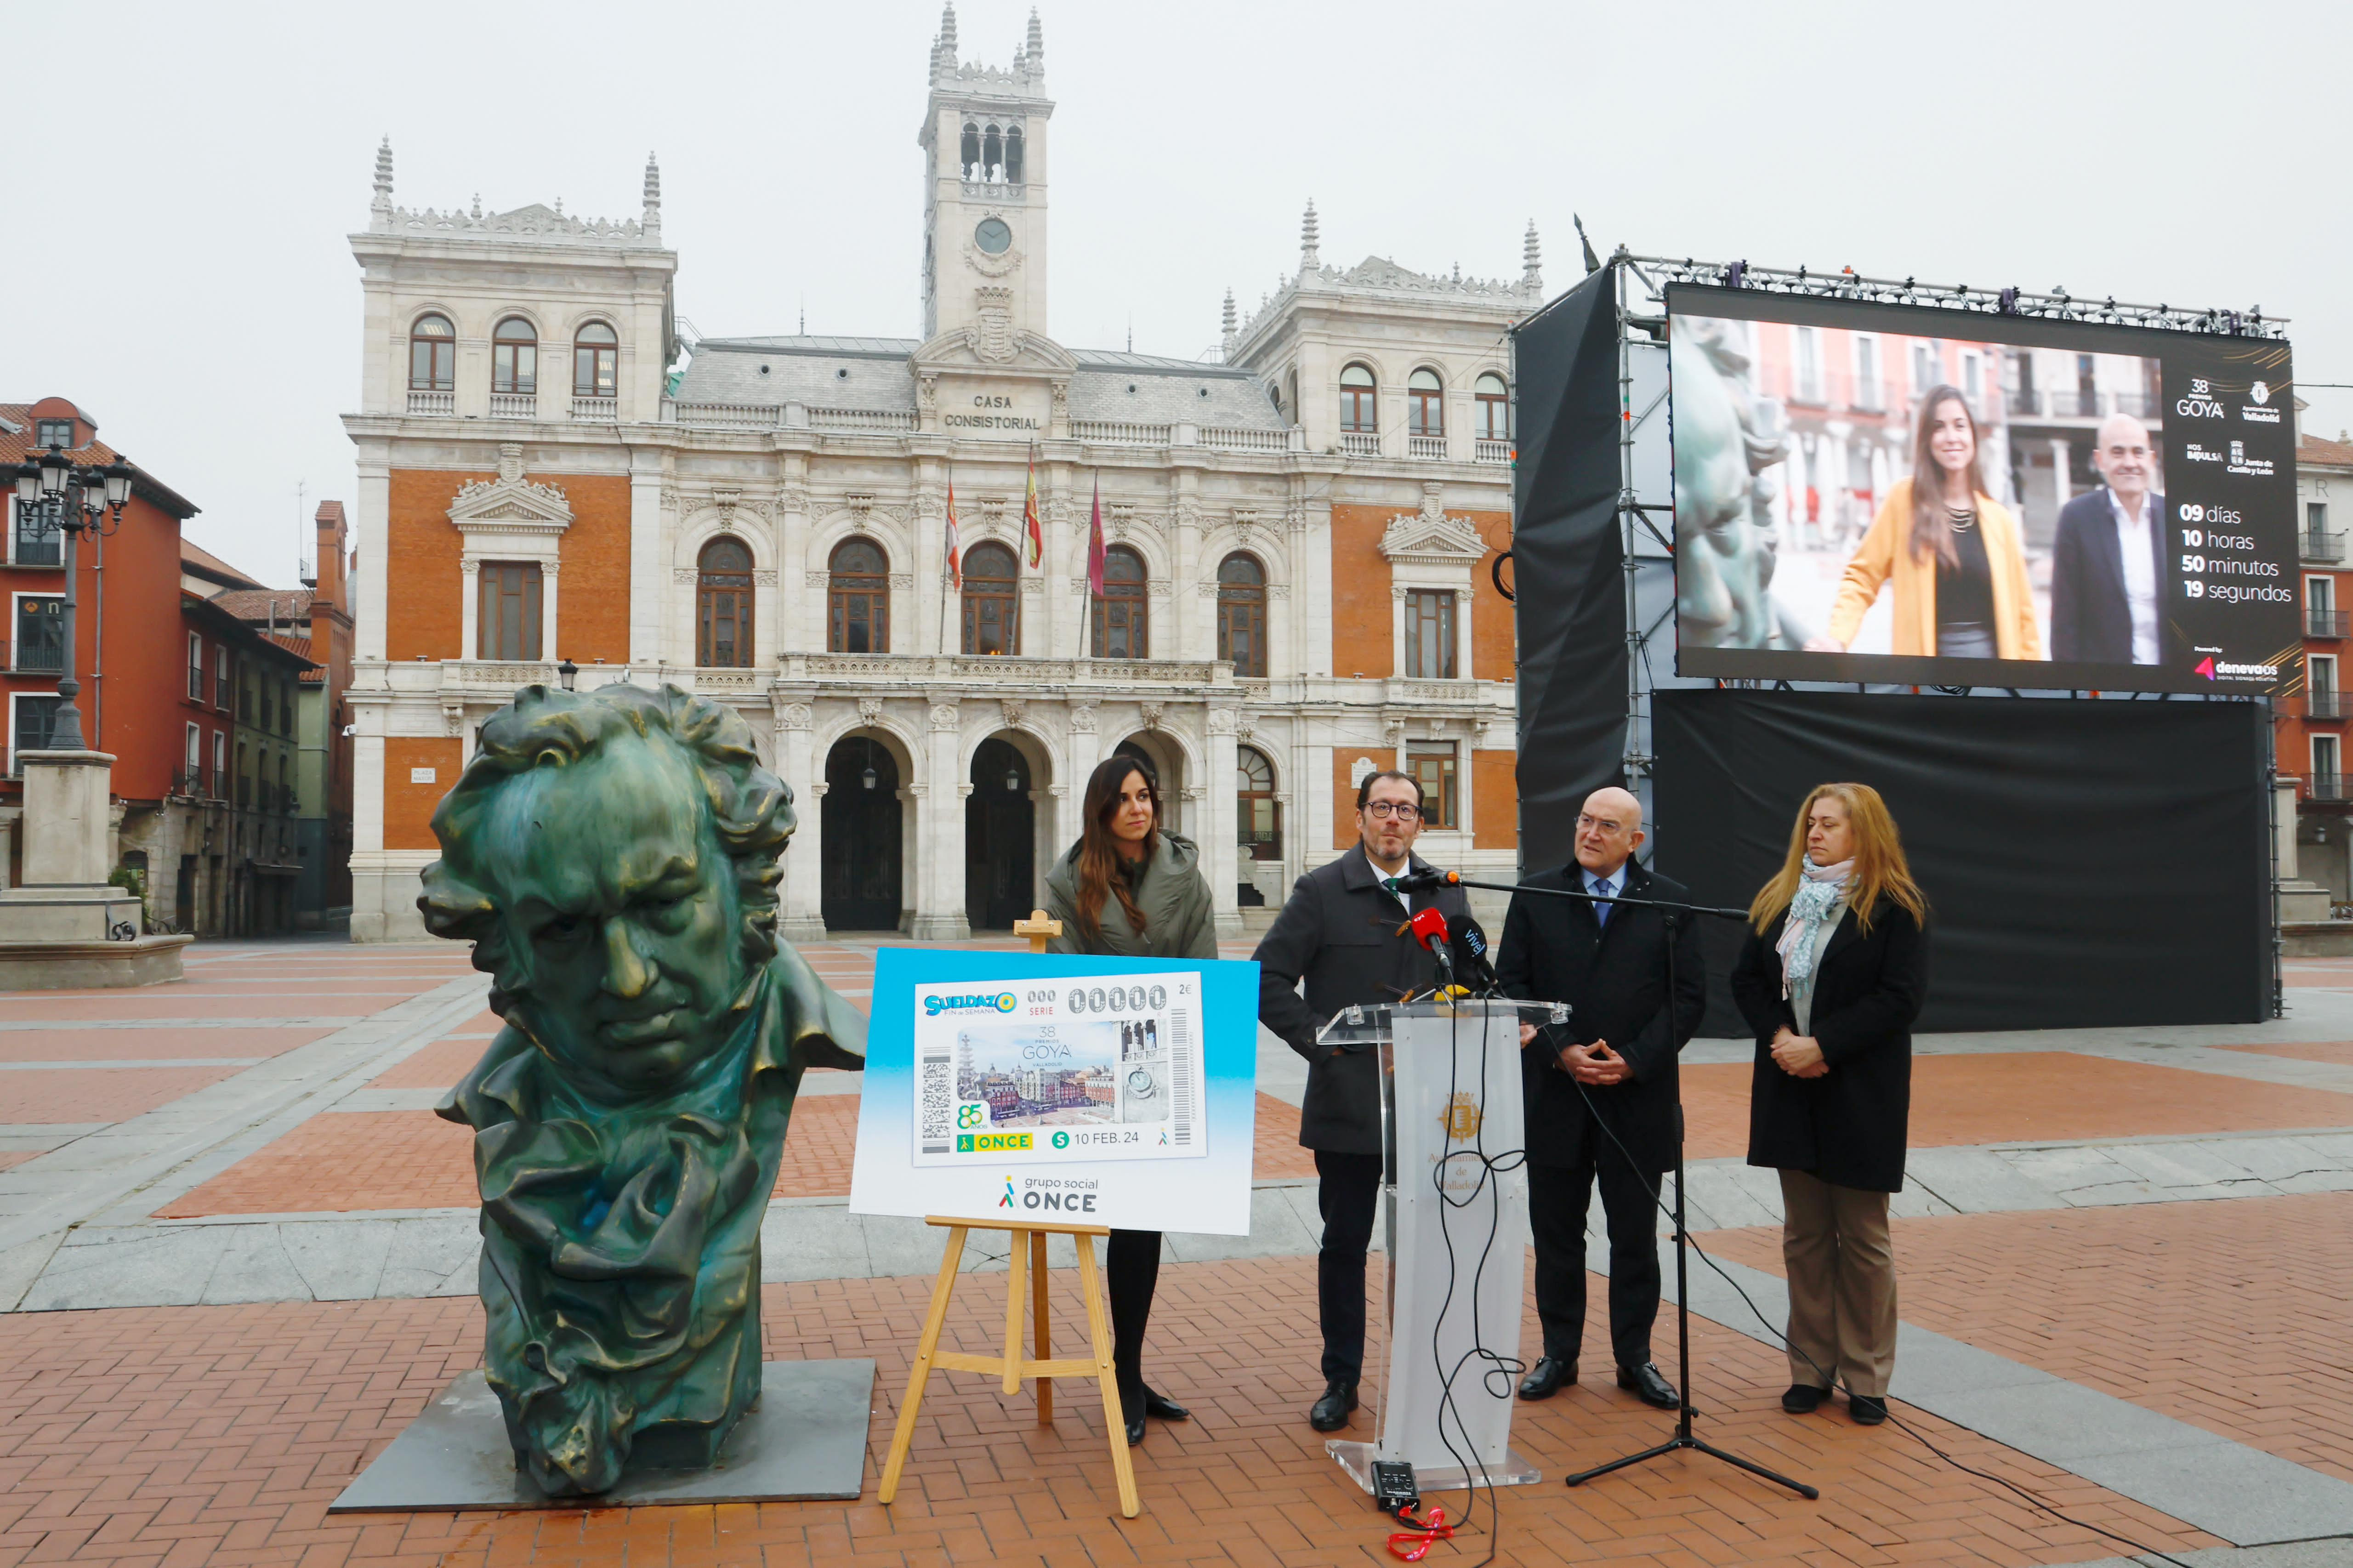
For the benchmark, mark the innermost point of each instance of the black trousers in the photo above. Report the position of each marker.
(1131, 1270)
(1558, 1199)
(1348, 1186)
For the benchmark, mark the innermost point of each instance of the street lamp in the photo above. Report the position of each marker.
(88, 500)
(569, 674)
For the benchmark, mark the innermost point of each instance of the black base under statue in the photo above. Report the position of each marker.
(805, 1439)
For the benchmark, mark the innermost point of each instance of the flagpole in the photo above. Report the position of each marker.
(949, 550)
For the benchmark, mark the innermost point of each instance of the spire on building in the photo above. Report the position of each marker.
(1035, 48)
(651, 222)
(1532, 259)
(382, 206)
(1310, 259)
(1231, 332)
(478, 203)
(944, 47)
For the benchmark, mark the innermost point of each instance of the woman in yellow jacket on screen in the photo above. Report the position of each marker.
(1954, 552)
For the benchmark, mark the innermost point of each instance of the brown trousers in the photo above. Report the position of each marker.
(1841, 1264)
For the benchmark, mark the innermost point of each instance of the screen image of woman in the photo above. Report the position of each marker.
(1953, 554)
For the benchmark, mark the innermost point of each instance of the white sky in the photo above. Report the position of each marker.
(194, 291)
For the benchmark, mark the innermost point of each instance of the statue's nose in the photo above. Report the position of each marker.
(627, 972)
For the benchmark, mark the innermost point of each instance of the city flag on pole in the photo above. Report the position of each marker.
(1095, 544)
(1031, 533)
(956, 545)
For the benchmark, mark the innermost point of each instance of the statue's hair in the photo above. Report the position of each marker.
(751, 807)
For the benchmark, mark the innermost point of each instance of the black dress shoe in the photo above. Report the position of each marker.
(1331, 1412)
(1648, 1384)
(1547, 1377)
(1160, 1408)
(1804, 1398)
(1866, 1410)
(1136, 1429)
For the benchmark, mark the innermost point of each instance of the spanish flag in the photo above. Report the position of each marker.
(1030, 530)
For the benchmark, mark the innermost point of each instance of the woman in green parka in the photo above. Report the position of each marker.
(1129, 889)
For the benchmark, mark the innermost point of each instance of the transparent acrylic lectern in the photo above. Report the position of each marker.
(1449, 1099)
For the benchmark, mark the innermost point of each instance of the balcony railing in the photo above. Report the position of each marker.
(2328, 705)
(36, 658)
(602, 408)
(1120, 433)
(2327, 624)
(514, 405)
(1237, 440)
(2324, 786)
(441, 405)
(731, 415)
(1486, 451)
(1360, 443)
(1426, 448)
(2319, 545)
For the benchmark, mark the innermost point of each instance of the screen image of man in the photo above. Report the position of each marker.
(2111, 577)
(1610, 1070)
(1347, 936)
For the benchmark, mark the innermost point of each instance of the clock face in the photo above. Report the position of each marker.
(1140, 1084)
(993, 235)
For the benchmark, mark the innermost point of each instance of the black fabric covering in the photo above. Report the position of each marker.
(2086, 863)
(1567, 563)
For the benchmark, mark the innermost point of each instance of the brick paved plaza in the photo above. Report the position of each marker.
(238, 1248)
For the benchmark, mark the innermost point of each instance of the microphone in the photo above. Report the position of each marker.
(1477, 968)
(1428, 929)
(1415, 881)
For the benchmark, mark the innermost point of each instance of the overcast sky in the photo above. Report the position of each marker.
(194, 170)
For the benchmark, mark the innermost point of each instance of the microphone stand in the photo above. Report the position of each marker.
(1673, 913)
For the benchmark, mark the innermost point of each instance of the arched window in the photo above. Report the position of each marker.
(992, 604)
(1495, 408)
(1013, 155)
(968, 161)
(515, 356)
(596, 362)
(432, 355)
(992, 154)
(858, 598)
(1290, 397)
(723, 606)
(1260, 815)
(1241, 614)
(1425, 403)
(1121, 615)
(1357, 390)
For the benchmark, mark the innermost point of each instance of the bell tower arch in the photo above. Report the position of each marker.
(984, 140)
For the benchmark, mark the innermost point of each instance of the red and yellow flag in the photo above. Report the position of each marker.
(955, 542)
(1033, 534)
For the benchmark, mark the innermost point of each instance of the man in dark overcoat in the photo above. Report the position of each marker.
(1610, 1070)
(1345, 934)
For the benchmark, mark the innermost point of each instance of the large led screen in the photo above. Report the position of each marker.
(2102, 506)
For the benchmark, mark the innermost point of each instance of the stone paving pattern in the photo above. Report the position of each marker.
(261, 1131)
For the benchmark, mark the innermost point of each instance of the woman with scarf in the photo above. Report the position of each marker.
(1129, 888)
(1830, 980)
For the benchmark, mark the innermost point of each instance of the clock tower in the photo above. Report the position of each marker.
(984, 140)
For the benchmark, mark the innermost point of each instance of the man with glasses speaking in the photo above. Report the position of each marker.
(1600, 1090)
(1348, 937)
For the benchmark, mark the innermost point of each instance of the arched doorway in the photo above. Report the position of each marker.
(1000, 839)
(861, 820)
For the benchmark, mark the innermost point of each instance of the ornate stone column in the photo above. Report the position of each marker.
(1220, 818)
(802, 916)
(939, 831)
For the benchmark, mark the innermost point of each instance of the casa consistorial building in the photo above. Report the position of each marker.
(1300, 533)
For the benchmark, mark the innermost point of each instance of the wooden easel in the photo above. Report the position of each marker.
(1021, 1259)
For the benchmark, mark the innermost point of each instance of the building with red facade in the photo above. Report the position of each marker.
(2310, 733)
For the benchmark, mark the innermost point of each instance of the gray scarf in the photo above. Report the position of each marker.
(1820, 890)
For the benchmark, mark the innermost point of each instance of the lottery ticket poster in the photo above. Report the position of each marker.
(1100, 1091)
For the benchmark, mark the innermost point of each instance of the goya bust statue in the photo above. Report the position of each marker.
(612, 857)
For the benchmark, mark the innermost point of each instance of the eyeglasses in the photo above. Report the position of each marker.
(1603, 823)
(1399, 809)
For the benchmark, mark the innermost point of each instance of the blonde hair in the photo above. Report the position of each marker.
(1880, 868)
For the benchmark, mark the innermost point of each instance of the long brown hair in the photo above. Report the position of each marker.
(1932, 527)
(1099, 856)
(1880, 869)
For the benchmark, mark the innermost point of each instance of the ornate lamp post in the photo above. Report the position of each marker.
(86, 500)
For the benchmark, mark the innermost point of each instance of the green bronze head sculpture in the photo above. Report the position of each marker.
(612, 856)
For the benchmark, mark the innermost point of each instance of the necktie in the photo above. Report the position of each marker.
(1601, 912)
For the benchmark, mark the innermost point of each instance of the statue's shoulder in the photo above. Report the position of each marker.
(810, 1020)
(493, 1089)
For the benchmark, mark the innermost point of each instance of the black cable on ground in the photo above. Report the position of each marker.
(1829, 1381)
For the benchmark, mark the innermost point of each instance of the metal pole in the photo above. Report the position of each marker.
(65, 729)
